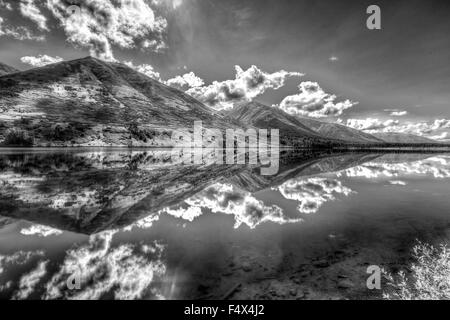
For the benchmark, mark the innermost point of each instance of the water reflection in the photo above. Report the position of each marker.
(127, 221)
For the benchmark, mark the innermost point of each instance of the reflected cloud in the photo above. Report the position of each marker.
(126, 271)
(40, 231)
(312, 193)
(436, 167)
(29, 281)
(228, 199)
(18, 258)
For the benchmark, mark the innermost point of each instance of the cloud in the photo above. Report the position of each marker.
(100, 24)
(29, 281)
(312, 193)
(5, 5)
(399, 113)
(40, 231)
(144, 223)
(246, 86)
(19, 33)
(18, 258)
(424, 128)
(146, 69)
(228, 199)
(126, 271)
(41, 60)
(397, 183)
(312, 101)
(444, 136)
(185, 82)
(188, 214)
(437, 167)
(29, 10)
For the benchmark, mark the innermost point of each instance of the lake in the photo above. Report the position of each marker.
(130, 224)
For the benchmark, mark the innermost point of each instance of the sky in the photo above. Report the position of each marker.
(310, 58)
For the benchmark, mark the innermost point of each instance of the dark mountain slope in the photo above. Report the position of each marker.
(292, 130)
(338, 131)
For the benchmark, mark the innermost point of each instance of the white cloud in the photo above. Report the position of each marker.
(40, 231)
(246, 86)
(397, 183)
(29, 10)
(41, 60)
(374, 125)
(186, 81)
(29, 281)
(313, 101)
(127, 271)
(312, 193)
(100, 24)
(228, 199)
(19, 33)
(146, 69)
(444, 136)
(399, 113)
(437, 167)
(188, 214)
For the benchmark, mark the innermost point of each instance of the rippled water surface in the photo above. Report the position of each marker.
(132, 225)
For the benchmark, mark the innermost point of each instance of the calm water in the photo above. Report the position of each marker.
(132, 225)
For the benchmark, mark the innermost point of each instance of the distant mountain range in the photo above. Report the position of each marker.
(392, 137)
(90, 102)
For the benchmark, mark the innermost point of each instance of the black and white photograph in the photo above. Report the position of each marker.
(223, 151)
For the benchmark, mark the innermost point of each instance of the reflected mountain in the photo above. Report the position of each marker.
(89, 191)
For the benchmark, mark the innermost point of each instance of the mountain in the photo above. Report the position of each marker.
(264, 116)
(5, 69)
(338, 131)
(87, 191)
(392, 137)
(89, 102)
(291, 128)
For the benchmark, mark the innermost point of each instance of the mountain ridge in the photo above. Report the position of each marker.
(89, 102)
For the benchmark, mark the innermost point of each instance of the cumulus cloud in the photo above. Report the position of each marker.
(41, 60)
(186, 81)
(40, 231)
(18, 258)
(313, 101)
(146, 69)
(312, 193)
(29, 9)
(127, 271)
(444, 136)
(228, 199)
(100, 24)
(29, 281)
(399, 113)
(436, 167)
(189, 214)
(423, 128)
(246, 86)
(397, 183)
(19, 33)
